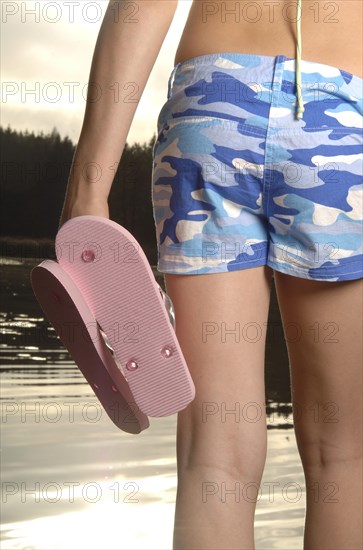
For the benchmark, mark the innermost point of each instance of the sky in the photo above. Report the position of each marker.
(48, 46)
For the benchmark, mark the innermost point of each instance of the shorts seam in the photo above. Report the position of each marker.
(282, 130)
(260, 132)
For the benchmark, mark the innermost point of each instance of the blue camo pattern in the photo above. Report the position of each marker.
(238, 181)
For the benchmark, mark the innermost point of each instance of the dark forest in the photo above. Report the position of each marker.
(34, 174)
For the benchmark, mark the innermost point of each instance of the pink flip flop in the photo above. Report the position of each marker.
(65, 307)
(123, 338)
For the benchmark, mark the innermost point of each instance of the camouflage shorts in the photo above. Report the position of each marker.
(238, 181)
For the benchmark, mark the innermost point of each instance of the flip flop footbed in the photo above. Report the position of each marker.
(112, 272)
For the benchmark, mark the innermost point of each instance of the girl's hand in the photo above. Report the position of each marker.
(94, 207)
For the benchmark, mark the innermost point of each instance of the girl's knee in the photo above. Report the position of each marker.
(227, 444)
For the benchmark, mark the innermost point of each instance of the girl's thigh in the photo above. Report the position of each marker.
(221, 324)
(323, 330)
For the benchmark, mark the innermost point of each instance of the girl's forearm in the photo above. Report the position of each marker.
(127, 46)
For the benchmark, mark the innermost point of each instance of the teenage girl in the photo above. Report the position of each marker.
(257, 173)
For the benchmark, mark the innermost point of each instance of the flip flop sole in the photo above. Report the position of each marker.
(73, 321)
(113, 274)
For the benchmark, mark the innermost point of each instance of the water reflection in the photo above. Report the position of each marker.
(71, 479)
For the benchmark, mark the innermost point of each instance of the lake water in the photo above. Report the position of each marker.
(72, 480)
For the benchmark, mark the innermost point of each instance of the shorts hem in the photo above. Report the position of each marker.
(303, 273)
(331, 273)
(222, 268)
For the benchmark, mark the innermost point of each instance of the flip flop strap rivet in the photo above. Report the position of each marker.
(166, 351)
(131, 365)
(88, 256)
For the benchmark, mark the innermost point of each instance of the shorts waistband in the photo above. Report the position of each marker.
(247, 59)
(283, 68)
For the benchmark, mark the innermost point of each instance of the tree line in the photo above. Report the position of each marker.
(34, 174)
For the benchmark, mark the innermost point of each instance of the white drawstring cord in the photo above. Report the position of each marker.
(300, 105)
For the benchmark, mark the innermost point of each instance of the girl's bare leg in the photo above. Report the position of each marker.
(221, 322)
(323, 328)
